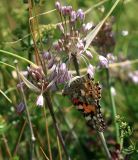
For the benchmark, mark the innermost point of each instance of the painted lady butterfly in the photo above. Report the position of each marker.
(85, 95)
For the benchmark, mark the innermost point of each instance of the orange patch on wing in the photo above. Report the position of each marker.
(89, 108)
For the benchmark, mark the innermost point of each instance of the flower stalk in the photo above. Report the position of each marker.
(50, 107)
(102, 138)
(113, 106)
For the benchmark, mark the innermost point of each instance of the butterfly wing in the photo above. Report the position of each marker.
(85, 95)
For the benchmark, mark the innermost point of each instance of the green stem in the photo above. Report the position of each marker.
(70, 126)
(6, 146)
(20, 136)
(113, 107)
(76, 65)
(17, 56)
(47, 135)
(50, 107)
(101, 136)
(121, 140)
(28, 118)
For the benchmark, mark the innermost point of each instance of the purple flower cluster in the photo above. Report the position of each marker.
(38, 77)
(72, 41)
(58, 71)
(68, 11)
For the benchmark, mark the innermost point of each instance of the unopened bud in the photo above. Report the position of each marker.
(40, 100)
(103, 62)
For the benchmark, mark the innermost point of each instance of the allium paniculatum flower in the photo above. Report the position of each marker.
(40, 100)
(20, 107)
(73, 32)
(103, 62)
(38, 77)
(58, 71)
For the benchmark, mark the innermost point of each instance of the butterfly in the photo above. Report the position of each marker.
(85, 94)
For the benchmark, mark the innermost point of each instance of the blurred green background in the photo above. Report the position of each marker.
(81, 142)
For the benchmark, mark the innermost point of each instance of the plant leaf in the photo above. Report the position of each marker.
(5, 96)
(28, 83)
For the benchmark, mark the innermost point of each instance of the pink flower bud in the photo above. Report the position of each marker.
(73, 16)
(69, 9)
(64, 10)
(63, 67)
(20, 108)
(87, 27)
(103, 62)
(88, 54)
(40, 100)
(91, 70)
(134, 76)
(80, 45)
(58, 5)
(110, 58)
(60, 26)
(47, 55)
(80, 14)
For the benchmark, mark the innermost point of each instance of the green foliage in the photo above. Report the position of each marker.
(81, 142)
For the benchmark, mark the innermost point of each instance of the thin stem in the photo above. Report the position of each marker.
(17, 56)
(50, 107)
(47, 135)
(114, 115)
(6, 146)
(101, 136)
(28, 117)
(19, 138)
(44, 153)
(70, 126)
(31, 24)
(113, 106)
(121, 140)
(76, 65)
(37, 24)
(59, 149)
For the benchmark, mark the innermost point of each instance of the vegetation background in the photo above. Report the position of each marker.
(81, 142)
